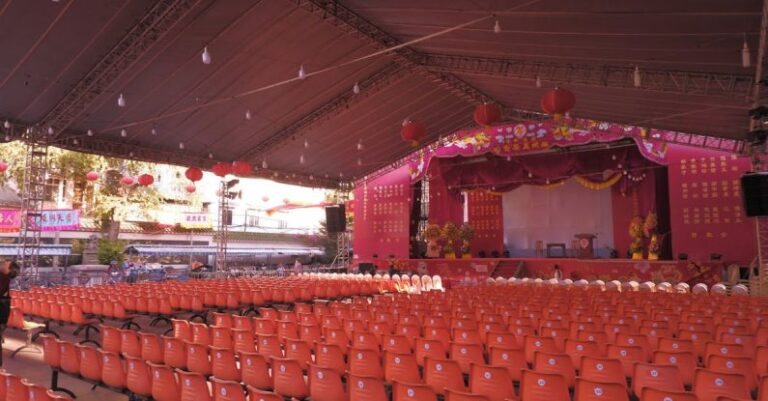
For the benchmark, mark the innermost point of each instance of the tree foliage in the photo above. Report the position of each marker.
(111, 250)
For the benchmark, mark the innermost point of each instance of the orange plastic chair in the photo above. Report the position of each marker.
(201, 333)
(555, 363)
(740, 365)
(70, 357)
(605, 370)
(288, 378)
(685, 361)
(16, 388)
(708, 385)
(269, 346)
(714, 348)
(401, 367)
(577, 349)
(223, 364)
(537, 386)
(299, 351)
(255, 394)
(429, 349)
(221, 319)
(325, 384)
(90, 362)
(652, 394)
(467, 354)
(254, 369)
(198, 359)
(221, 337)
(330, 356)
(164, 384)
(511, 359)
(174, 352)
(113, 370)
(588, 390)
(225, 390)
(491, 381)
(442, 374)
(442, 334)
(361, 388)
(138, 378)
(366, 363)
(130, 344)
(151, 347)
(534, 344)
(453, 395)
(661, 377)
(51, 350)
(264, 326)
(193, 386)
(628, 355)
(412, 392)
(243, 340)
(675, 345)
(181, 329)
(111, 339)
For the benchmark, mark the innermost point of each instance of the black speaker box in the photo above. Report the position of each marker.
(335, 219)
(754, 192)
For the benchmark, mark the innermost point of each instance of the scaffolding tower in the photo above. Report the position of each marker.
(343, 246)
(32, 198)
(223, 228)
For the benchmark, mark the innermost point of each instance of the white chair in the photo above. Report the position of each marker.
(437, 283)
(538, 282)
(396, 278)
(501, 280)
(553, 281)
(416, 282)
(648, 286)
(426, 283)
(664, 287)
(719, 289)
(598, 284)
(377, 276)
(682, 288)
(700, 289)
(567, 282)
(739, 289)
(581, 283)
(613, 285)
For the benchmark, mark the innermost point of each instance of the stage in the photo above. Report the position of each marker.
(455, 271)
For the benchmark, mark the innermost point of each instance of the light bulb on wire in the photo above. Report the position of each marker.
(636, 77)
(123, 133)
(301, 159)
(90, 132)
(538, 81)
(264, 164)
(497, 27)
(206, 56)
(356, 89)
(248, 115)
(210, 155)
(50, 130)
(154, 131)
(360, 145)
(306, 144)
(121, 100)
(7, 124)
(302, 74)
(746, 57)
(181, 145)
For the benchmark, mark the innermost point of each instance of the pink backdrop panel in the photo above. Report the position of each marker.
(382, 208)
(486, 217)
(706, 205)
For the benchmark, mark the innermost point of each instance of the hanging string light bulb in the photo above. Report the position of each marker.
(210, 155)
(264, 164)
(50, 130)
(302, 74)
(154, 131)
(206, 56)
(636, 77)
(181, 145)
(356, 89)
(360, 144)
(248, 115)
(74, 141)
(301, 159)
(746, 57)
(538, 81)
(121, 100)
(123, 133)
(497, 27)
(7, 124)
(90, 132)
(306, 144)
(359, 161)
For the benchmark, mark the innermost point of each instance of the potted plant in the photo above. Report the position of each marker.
(636, 234)
(432, 235)
(467, 234)
(450, 235)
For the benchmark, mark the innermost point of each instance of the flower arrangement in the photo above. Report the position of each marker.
(432, 232)
(649, 229)
(636, 233)
(450, 236)
(466, 234)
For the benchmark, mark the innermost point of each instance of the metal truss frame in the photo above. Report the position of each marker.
(611, 76)
(369, 86)
(346, 20)
(152, 27)
(32, 200)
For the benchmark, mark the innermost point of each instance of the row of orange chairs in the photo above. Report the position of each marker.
(15, 388)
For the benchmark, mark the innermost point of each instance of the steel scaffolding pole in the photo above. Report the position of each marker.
(222, 237)
(32, 199)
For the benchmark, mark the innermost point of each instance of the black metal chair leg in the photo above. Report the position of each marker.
(55, 384)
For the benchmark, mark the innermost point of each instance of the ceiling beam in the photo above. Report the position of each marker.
(341, 17)
(369, 86)
(606, 76)
(152, 27)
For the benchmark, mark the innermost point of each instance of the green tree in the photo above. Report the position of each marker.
(111, 250)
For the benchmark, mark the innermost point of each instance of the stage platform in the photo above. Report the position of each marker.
(456, 271)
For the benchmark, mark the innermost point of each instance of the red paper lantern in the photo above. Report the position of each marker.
(241, 168)
(92, 176)
(221, 169)
(487, 114)
(413, 132)
(3, 167)
(194, 174)
(191, 188)
(558, 101)
(127, 181)
(146, 180)
(265, 198)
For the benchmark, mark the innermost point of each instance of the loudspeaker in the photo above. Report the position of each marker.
(754, 192)
(335, 219)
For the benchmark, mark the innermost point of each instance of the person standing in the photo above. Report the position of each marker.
(8, 271)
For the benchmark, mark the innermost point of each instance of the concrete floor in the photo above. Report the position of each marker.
(29, 363)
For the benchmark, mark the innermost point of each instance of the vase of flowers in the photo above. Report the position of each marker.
(450, 234)
(432, 235)
(636, 234)
(466, 234)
